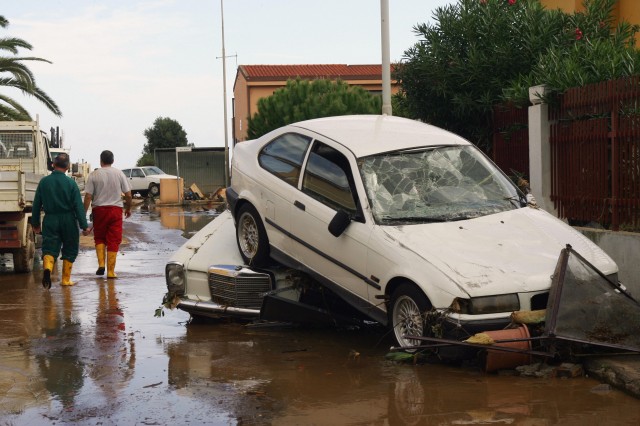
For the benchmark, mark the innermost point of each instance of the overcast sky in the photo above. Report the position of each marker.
(120, 64)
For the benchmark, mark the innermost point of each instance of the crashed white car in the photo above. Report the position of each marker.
(396, 217)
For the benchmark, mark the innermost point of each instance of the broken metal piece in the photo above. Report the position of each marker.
(588, 307)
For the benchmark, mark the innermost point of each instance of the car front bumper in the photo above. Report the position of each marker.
(215, 310)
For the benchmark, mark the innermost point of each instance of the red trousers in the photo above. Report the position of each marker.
(107, 226)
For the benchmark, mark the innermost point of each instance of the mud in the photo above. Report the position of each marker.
(95, 353)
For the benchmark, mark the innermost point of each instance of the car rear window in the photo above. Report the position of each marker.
(284, 155)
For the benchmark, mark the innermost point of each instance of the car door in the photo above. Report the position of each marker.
(327, 186)
(137, 180)
(282, 159)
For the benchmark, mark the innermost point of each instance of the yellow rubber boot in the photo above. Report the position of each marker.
(47, 265)
(100, 251)
(111, 264)
(66, 273)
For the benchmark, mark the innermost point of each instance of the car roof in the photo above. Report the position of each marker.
(372, 134)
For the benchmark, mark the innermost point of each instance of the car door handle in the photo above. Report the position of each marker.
(299, 205)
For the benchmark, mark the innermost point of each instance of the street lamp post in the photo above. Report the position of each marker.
(386, 61)
(224, 96)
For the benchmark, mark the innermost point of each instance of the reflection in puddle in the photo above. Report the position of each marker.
(189, 219)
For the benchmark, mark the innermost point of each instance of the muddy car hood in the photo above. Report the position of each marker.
(508, 252)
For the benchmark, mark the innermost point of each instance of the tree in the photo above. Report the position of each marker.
(482, 52)
(15, 74)
(590, 49)
(302, 100)
(165, 133)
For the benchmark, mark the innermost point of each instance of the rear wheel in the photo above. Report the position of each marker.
(154, 190)
(407, 315)
(252, 237)
(23, 258)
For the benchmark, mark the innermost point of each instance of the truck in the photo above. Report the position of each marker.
(24, 160)
(78, 171)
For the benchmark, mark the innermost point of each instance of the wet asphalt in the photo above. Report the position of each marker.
(96, 354)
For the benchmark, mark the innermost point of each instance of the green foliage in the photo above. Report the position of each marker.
(482, 52)
(588, 50)
(302, 100)
(146, 160)
(165, 133)
(14, 73)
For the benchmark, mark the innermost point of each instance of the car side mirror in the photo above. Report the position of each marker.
(339, 223)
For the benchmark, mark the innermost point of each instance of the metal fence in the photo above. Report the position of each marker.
(202, 166)
(511, 140)
(595, 154)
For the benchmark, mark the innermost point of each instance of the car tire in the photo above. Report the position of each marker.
(154, 190)
(406, 316)
(252, 237)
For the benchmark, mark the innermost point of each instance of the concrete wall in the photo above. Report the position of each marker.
(624, 249)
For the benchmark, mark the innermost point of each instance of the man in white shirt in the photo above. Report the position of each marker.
(103, 191)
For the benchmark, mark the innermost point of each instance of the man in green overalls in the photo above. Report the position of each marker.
(58, 195)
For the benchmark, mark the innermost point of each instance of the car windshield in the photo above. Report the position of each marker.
(436, 184)
(150, 171)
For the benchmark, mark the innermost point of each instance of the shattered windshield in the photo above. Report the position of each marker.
(435, 184)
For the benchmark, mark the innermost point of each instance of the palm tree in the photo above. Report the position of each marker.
(13, 73)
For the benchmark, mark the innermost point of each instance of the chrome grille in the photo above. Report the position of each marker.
(238, 287)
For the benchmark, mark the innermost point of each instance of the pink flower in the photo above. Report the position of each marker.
(512, 2)
(578, 34)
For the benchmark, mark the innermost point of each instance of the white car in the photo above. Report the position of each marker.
(398, 217)
(146, 180)
(411, 225)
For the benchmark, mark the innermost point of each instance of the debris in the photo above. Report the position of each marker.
(480, 339)
(220, 194)
(569, 370)
(529, 317)
(194, 188)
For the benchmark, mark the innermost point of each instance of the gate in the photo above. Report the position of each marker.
(595, 154)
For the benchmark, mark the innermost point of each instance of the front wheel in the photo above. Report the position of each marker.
(407, 316)
(252, 237)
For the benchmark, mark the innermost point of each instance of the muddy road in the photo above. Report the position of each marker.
(95, 354)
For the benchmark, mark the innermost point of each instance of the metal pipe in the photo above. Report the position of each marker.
(386, 61)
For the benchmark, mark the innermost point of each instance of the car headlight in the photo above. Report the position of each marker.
(174, 275)
(486, 304)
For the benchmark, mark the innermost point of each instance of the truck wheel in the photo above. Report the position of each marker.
(23, 258)
(154, 190)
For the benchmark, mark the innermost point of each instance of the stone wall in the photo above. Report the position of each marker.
(624, 249)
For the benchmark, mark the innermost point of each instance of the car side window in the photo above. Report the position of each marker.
(127, 172)
(284, 155)
(137, 173)
(328, 179)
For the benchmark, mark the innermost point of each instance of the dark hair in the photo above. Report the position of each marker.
(61, 160)
(106, 157)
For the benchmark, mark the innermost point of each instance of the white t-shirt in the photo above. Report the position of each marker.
(106, 186)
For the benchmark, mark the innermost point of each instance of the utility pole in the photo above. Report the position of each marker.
(386, 61)
(224, 95)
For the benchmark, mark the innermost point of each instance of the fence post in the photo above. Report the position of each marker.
(540, 150)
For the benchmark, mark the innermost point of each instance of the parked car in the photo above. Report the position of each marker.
(411, 225)
(146, 180)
